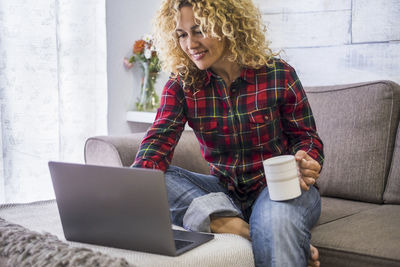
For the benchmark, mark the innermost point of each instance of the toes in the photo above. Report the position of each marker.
(313, 264)
(314, 253)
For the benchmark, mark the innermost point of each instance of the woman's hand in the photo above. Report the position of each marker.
(309, 169)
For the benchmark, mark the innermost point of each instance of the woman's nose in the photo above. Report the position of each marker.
(192, 42)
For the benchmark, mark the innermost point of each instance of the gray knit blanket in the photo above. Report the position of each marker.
(22, 247)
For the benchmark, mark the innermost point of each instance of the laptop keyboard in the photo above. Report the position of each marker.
(181, 243)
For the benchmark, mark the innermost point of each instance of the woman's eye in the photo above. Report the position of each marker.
(198, 32)
(181, 35)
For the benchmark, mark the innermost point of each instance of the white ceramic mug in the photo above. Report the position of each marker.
(282, 177)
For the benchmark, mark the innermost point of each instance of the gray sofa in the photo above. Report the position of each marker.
(359, 184)
(360, 181)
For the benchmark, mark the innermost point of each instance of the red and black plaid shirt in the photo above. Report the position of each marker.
(264, 113)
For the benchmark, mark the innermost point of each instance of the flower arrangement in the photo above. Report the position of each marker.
(145, 53)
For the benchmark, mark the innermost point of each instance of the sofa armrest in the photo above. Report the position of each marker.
(112, 150)
(121, 151)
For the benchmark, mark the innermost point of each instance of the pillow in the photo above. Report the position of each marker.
(357, 124)
(22, 247)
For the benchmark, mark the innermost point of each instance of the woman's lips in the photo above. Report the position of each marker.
(199, 55)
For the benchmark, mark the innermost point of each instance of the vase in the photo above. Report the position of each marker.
(148, 99)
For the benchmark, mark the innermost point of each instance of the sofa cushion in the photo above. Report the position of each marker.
(368, 238)
(115, 151)
(187, 154)
(43, 216)
(121, 151)
(23, 247)
(392, 191)
(357, 124)
(334, 209)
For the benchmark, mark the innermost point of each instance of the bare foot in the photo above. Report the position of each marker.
(230, 225)
(313, 261)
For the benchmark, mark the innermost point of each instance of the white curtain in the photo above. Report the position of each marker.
(53, 89)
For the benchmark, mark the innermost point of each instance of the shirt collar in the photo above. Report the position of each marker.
(246, 74)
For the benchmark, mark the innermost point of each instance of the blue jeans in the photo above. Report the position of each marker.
(280, 231)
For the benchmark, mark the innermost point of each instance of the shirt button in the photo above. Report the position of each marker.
(236, 155)
(266, 117)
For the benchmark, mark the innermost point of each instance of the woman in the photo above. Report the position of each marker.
(244, 106)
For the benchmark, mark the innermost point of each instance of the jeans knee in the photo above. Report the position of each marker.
(280, 231)
(277, 225)
(174, 178)
(177, 174)
(172, 172)
(279, 239)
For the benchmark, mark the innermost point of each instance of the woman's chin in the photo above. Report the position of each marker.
(201, 66)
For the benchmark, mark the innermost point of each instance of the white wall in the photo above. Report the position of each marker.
(327, 42)
(127, 21)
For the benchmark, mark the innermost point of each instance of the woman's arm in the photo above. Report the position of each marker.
(157, 147)
(298, 121)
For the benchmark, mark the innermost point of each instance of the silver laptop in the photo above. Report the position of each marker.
(118, 207)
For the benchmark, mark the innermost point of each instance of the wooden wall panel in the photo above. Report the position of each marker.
(283, 6)
(345, 64)
(336, 42)
(308, 29)
(376, 20)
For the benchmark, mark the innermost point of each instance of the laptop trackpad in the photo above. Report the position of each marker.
(182, 243)
(185, 240)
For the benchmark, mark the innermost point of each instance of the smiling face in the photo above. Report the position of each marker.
(204, 51)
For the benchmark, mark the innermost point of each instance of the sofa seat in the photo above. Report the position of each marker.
(344, 216)
(335, 208)
(374, 238)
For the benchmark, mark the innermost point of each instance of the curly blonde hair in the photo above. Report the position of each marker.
(237, 21)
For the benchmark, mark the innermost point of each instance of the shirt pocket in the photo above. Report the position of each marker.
(263, 125)
(206, 130)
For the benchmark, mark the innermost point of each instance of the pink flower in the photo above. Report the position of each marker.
(127, 64)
